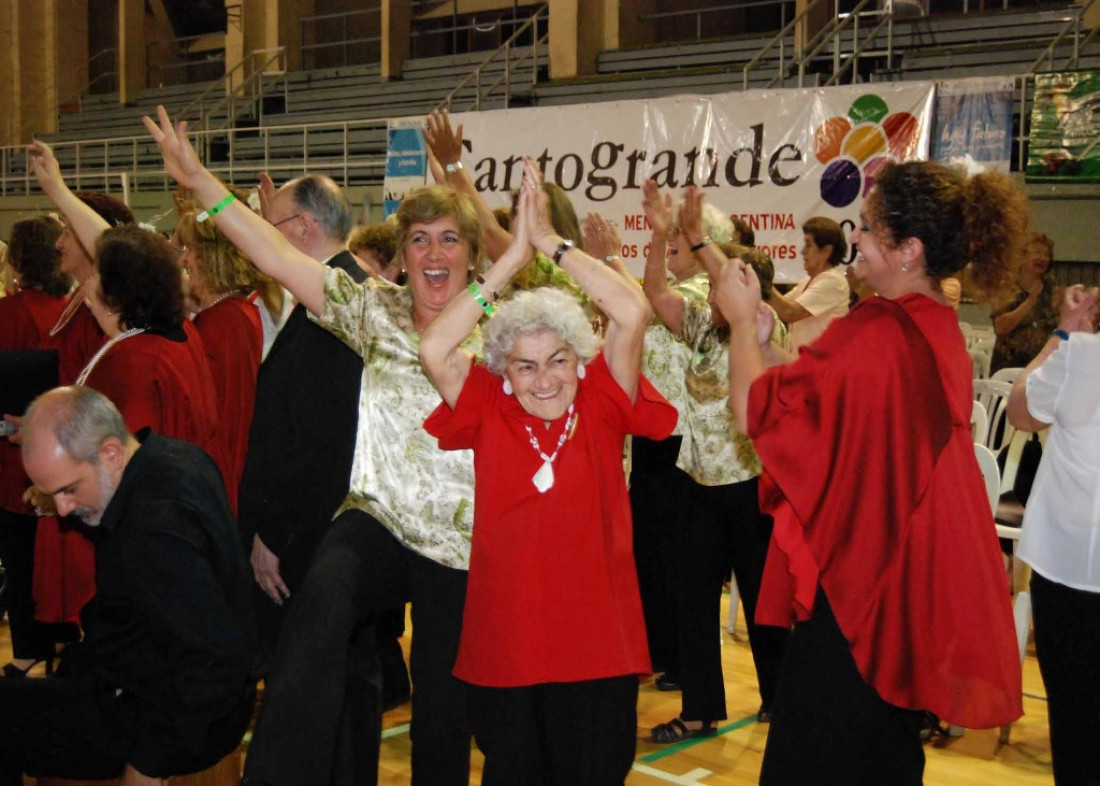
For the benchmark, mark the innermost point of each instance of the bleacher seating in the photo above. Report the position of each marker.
(934, 47)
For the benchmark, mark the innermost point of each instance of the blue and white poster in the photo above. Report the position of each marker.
(406, 162)
(972, 125)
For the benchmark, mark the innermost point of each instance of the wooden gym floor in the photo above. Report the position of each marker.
(733, 757)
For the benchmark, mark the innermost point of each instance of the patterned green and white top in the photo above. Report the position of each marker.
(423, 495)
(714, 451)
(665, 358)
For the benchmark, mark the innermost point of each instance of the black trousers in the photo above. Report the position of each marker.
(557, 734)
(1067, 642)
(310, 730)
(828, 725)
(657, 488)
(29, 638)
(723, 526)
(72, 727)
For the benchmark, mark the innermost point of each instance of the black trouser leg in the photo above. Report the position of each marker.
(29, 638)
(1067, 642)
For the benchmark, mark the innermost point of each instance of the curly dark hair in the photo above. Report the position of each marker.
(33, 255)
(141, 279)
(978, 221)
(114, 211)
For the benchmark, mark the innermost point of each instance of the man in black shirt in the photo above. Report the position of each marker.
(163, 683)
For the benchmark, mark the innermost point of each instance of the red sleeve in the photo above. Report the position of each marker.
(17, 328)
(457, 429)
(650, 415)
(133, 388)
(864, 396)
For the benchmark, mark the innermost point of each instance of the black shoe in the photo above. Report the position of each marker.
(666, 682)
(764, 715)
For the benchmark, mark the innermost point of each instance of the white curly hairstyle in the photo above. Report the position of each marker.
(528, 313)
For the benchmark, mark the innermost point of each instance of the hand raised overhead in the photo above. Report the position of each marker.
(180, 159)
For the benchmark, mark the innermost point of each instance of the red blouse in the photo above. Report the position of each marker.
(233, 337)
(869, 472)
(553, 591)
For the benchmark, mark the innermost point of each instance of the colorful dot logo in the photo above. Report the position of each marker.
(854, 148)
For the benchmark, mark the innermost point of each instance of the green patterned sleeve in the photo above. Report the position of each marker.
(347, 312)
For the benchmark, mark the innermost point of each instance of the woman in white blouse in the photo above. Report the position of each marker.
(1060, 389)
(822, 295)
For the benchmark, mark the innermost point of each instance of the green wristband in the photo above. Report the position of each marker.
(216, 209)
(479, 298)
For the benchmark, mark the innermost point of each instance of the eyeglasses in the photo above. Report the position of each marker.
(284, 220)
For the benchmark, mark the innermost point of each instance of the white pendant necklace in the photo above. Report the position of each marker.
(103, 351)
(544, 478)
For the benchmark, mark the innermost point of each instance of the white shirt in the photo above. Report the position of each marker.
(1061, 530)
(825, 296)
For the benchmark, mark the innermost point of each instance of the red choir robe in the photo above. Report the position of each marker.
(233, 337)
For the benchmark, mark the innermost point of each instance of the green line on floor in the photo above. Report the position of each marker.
(676, 747)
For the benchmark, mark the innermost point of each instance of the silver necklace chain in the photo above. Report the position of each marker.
(103, 351)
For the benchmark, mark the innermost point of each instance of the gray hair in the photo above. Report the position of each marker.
(717, 224)
(535, 311)
(319, 196)
(81, 418)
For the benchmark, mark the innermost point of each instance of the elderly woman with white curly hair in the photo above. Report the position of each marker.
(553, 639)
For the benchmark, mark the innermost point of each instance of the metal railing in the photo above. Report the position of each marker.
(235, 86)
(1072, 27)
(796, 28)
(175, 55)
(834, 34)
(109, 73)
(343, 42)
(505, 51)
(698, 13)
(142, 162)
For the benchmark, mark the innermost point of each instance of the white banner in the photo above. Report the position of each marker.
(772, 158)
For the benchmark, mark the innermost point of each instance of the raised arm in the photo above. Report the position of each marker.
(446, 365)
(621, 299)
(666, 301)
(260, 241)
(1076, 313)
(738, 296)
(445, 143)
(85, 222)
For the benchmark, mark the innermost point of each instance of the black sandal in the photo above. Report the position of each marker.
(676, 731)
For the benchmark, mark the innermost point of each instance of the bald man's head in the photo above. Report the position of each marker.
(75, 448)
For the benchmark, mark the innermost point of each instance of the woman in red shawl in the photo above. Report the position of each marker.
(883, 552)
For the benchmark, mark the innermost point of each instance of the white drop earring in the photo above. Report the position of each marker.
(580, 371)
(508, 387)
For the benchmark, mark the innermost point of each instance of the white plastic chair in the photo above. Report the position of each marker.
(993, 395)
(981, 361)
(979, 423)
(1006, 374)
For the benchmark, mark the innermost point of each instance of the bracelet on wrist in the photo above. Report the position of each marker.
(479, 298)
(1062, 334)
(706, 241)
(211, 212)
(452, 167)
(610, 258)
(564, 246)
